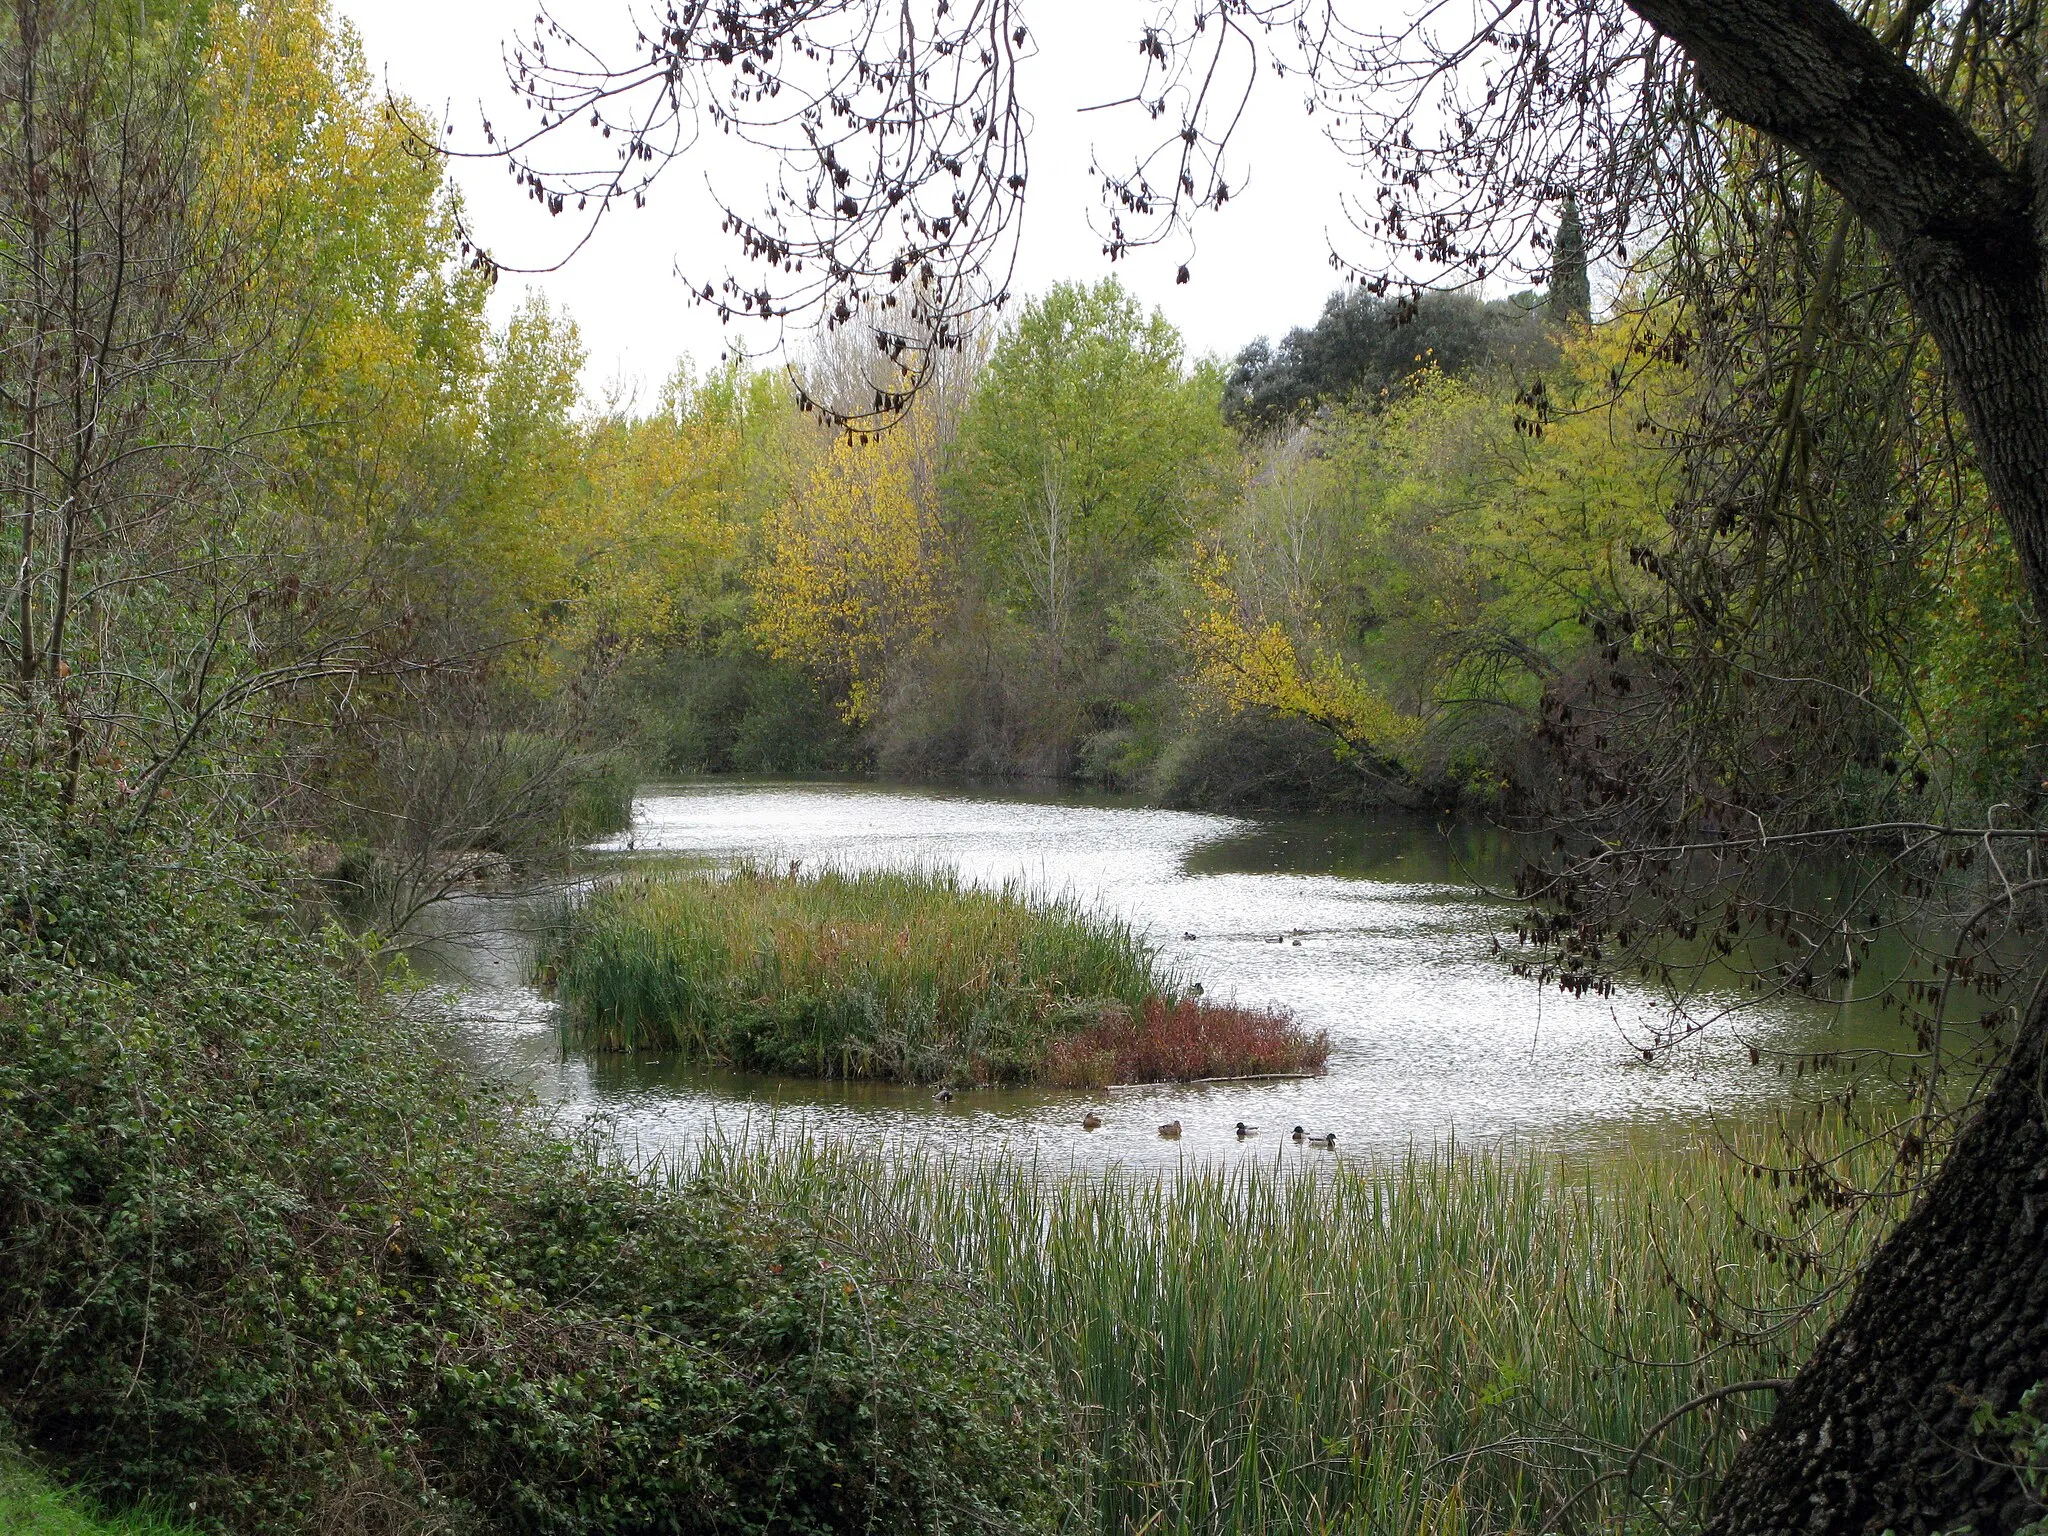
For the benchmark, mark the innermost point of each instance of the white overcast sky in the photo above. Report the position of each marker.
(1259, 267)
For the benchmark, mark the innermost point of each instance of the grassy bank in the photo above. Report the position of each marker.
(269, 1259)
(905, 975)
(1453, 1343)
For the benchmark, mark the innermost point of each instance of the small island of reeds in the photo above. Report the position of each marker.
(900, 975)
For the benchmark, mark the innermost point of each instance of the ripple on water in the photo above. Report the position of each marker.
(1374, 929)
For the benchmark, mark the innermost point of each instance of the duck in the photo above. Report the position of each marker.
(1244, 1130)
(1170, 1130)
(1299, 1134)
(1328, 1141)
(1090, 1121)
(944, 1095)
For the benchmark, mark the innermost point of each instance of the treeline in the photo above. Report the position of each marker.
(300, 542)
(1430, 551)
(302, 537)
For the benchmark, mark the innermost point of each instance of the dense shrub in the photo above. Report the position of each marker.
(736, 713)
(429, 810)
(266, 1255)
(1258, 760)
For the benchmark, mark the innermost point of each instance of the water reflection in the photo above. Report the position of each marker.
(1377, 931)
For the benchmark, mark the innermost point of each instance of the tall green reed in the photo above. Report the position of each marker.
(906, 974)
(1452, 1341)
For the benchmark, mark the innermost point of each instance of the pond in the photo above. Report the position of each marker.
(1378, 930)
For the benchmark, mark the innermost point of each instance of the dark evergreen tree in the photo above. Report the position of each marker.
(1365, 346)
(1571, 291)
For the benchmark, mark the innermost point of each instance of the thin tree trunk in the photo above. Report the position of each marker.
(27, 25)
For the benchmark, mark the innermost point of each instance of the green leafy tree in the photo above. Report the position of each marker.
(1088, 451)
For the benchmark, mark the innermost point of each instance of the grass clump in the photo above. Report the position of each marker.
(31, 1505)
(1447, 1343)
(909, 975)
(267, 1256)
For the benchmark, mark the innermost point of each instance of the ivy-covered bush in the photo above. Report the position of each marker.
(268, 1259)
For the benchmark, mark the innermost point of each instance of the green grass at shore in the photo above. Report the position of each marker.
(30, 1505)
(906, 975)
(1448, 1343)
(335, 1282)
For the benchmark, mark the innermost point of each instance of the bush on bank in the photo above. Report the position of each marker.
(909, 975)
(268, 1258)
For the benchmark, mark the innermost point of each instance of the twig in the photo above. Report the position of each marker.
(1635, 1459)
(1769, 1384)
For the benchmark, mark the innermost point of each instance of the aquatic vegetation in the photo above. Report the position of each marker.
(1183, 1040)
(1449, 1342)
(910, 975)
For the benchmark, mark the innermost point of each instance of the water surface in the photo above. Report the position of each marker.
(1380, 931)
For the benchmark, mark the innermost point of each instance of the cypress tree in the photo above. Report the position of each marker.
(1571, 291)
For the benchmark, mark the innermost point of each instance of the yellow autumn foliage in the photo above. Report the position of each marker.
(1243, 661)
(600, 535)
(851, 580)
(650, 516)
(1457, 533)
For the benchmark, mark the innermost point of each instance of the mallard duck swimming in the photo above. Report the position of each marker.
(1170, 1130)
(1300, 1134)
(1244, 1130)
(1090, 1121)
(1327, 1140)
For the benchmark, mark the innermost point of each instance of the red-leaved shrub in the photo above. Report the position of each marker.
(1181, 1040)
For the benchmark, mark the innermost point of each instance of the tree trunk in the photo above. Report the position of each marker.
(1951, 1312)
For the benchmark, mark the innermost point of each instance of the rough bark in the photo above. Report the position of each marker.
(1874, 1434)
(1953, 1308)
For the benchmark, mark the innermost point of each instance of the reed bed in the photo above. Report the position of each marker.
(1449, 1343)
(909, 975)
